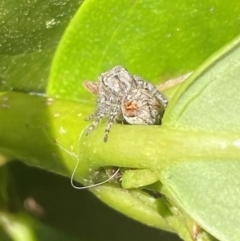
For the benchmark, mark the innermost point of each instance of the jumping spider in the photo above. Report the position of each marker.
(125, 98)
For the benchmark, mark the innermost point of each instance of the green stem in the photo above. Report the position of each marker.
(50, 135)
(157, 146)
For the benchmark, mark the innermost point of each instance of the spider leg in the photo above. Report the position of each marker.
(111, 120)
(90, 117)
(98, 118)
(152, 108)
(162, 99)
(91, 86)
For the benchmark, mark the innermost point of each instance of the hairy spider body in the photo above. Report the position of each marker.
(143, 84)
(141, 107)
(127, 98)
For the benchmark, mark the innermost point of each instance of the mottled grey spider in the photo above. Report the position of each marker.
(125, 98)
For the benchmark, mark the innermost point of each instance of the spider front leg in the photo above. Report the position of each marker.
(112, 118)
(98, 117)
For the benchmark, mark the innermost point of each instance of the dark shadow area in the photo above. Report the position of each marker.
(78, 213)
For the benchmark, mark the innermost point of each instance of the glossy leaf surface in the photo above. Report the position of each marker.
(29, 34)
(155, 39)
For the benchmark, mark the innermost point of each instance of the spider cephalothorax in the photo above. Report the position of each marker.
(127, 98)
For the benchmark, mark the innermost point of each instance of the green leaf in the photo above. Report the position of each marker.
(155, 39)
(138, 178)
(207, 190)
(209, 193)
(210, 99)
(29, 34)
(29, 118)
(144, 208)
